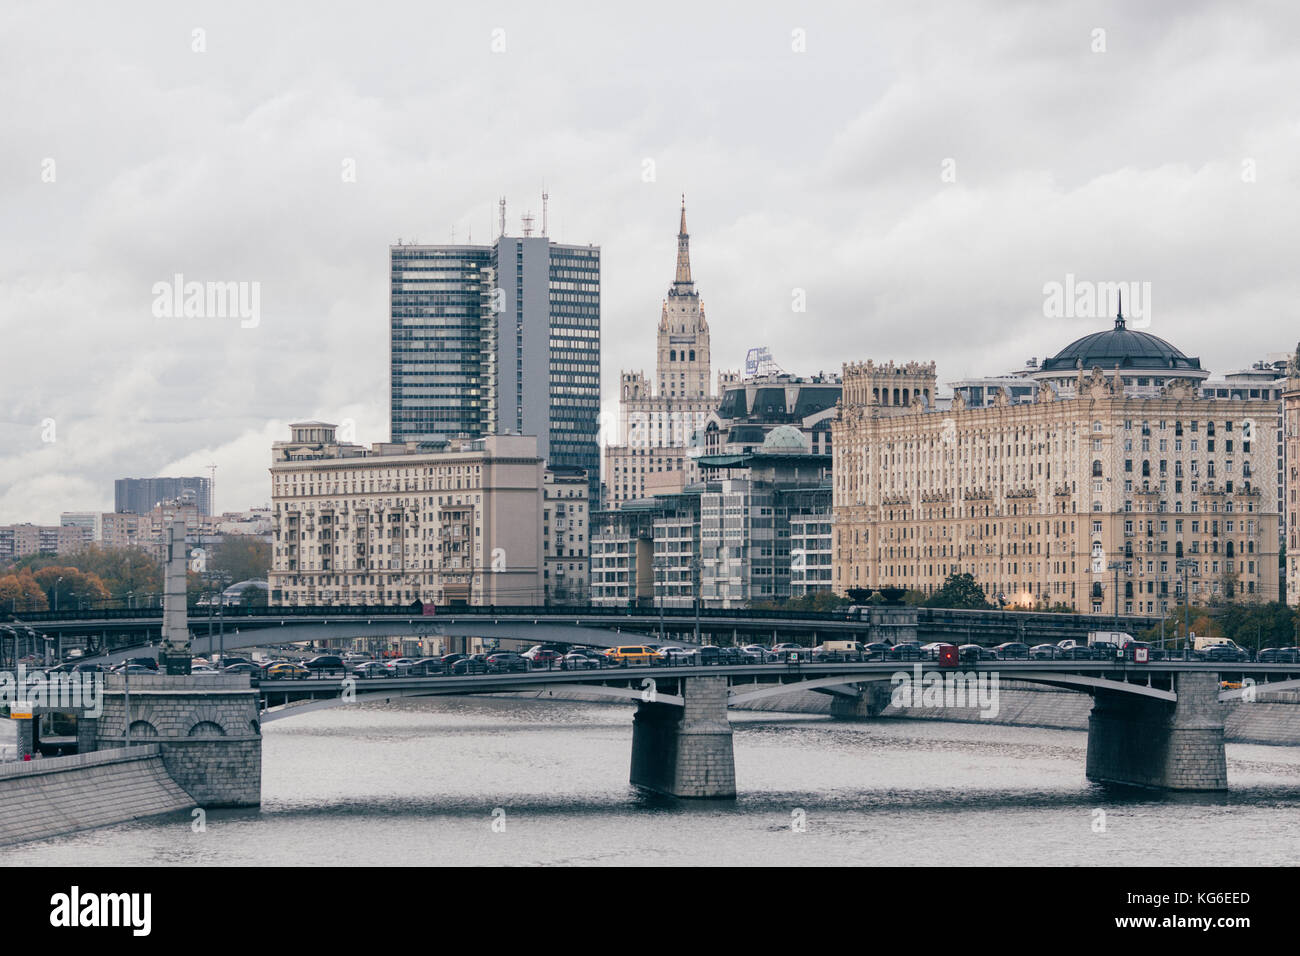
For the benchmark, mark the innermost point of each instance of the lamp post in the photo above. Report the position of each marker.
(1116, 566)
(56, 593)
(697, 574)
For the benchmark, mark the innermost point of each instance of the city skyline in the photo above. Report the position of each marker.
(901, 186)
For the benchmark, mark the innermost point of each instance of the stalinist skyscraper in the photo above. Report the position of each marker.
(656, 428)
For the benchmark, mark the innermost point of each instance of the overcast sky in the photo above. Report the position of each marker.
(919, 171)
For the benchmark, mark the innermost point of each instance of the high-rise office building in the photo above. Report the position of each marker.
(140, 495)
(498, 339)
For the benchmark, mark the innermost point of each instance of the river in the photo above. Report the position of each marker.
(523, 782)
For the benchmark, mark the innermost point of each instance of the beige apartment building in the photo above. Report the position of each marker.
(1291, 429)
(1101, 491)
(396, 523)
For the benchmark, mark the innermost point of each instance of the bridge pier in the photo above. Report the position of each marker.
(685, 751)
(1143, 742)
(870, 701)
(208, 729)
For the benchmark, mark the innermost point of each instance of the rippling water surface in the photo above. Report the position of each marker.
(422, 782)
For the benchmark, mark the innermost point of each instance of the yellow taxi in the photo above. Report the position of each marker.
(632, 654)
(285, 670)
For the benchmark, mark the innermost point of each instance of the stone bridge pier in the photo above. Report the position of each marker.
(1144, 742)
(685, 751)
(870, 700)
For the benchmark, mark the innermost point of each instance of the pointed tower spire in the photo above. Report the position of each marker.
(683, 251)
(1119, 312)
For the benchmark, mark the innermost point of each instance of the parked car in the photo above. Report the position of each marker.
(1279, 655)
(671, 654)
(629, 654)
(756, 654)
(506, 662)
(1012, 651)
(399, 666)
(1224, 652)
(1078, 652)
(368, 669)
(875, 651)
(578, 661)
(249, 669)
(448, 661)
(543, 657)
(906, 651)
(974, 653)
(1045, 652)
(286, 670)
(326, 662)
(473, 664)
(426, 667)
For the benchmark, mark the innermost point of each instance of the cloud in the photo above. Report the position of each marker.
(819, 171)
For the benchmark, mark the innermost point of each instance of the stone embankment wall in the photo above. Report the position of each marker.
(52, 795)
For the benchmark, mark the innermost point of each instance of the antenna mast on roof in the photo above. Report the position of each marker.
(501, 205)
(545, 197)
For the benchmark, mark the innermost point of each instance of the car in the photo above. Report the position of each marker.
(629, 654)
(367, 669)
(838, 651)
(756, 654)
(506, 662)
(675, 656)
(543, 657)
(709, 654)
(426, 667)
(470, 664)
(1223, 652)
(906, 651)
(578, 661)
(399, 666)
(250, 669)
(784, 652)
(1279, 655)
(1046, 652)
(875, 651)
(449, 660)
(1078, 652)
(89, 667)
(326, 662)
(285, 670)
(1012, 651)
(930, 652)
(1131, 649)
(974, 653)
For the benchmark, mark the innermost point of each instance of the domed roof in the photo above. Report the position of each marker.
(784, 440)
(1120, 348)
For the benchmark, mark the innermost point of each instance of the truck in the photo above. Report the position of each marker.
(1118, 638)
(1204, 643)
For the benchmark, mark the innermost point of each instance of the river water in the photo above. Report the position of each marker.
(522, 782)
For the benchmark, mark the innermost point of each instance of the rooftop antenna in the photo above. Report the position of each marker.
(212, 489)
(545, 196)
(501, 205)
(528, 219)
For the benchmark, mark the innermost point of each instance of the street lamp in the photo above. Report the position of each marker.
(56, 594)
(1116, 566)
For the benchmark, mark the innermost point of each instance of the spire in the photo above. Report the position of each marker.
(683, 251)
(1119, 313)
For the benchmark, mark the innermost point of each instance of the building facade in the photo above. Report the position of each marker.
(566, 512)
(142, 495)
(1107, 491)
(657, 422)
(498, 339)
(1291, 417)
(396, 523)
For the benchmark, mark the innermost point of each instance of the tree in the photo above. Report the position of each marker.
(241, 557)
(20, 592)
(67, 587)
(959, 591)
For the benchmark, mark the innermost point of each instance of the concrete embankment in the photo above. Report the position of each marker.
(56, 795)
(1272, 719)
